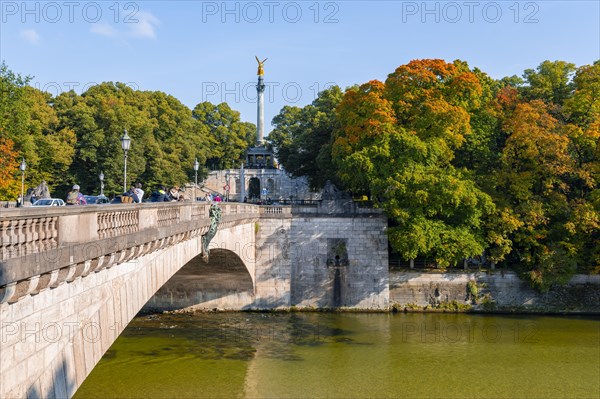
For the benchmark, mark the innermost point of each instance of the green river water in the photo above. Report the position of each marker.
(350, 355)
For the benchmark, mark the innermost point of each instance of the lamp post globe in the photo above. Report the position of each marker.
(22, 167)
(196, 166)
(125, 144)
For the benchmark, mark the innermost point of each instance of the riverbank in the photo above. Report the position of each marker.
(491, 292)
(497, 292)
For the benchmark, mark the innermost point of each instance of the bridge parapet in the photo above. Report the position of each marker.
(43, 247)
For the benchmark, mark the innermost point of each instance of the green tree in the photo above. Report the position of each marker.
(229, 137)
(549, 82)
(13, 118)
(302, 138)
(28, 119)
(166, 139)
(583, 108)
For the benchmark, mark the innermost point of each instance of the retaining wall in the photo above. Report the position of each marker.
(504, 291)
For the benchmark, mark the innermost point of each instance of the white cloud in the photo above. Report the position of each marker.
(104, 30)
(146, 25)
(30, 35)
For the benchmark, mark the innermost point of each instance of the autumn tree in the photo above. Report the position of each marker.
(9, 161)
(548, 176)
(398, 140)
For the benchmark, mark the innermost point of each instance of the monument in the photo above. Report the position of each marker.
(258, 179)
(259, 156)
(260, 90)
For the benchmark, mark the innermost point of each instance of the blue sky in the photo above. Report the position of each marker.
(204, 50)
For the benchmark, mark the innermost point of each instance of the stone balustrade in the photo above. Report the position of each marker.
(22, 236)
(43, 247)
(276, 210)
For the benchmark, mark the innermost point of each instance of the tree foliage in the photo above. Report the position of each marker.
(9, 183)
(230, 138)
(302, 138)
(71, 138)
(464, 164)
(397, 140)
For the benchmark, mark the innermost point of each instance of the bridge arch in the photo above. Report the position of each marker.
(223, 282)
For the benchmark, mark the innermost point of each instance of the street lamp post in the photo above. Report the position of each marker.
(101, 183)
(196, 166)
(227, 187)
(22, 167)
(125, 144)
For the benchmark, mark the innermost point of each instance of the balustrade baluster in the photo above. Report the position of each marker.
(4, 239)
(22, 238)
(46, 233)
(54, 231)
(41, 234)
(14, 238)
(100, 221)
(35, 244)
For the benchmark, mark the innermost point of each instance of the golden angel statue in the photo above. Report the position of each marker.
(261, 70)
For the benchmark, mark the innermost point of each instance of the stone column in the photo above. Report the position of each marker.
(242, 183)
(260, 128)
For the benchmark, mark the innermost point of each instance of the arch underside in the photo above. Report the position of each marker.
(221, 283)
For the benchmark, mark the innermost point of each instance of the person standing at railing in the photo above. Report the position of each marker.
(139, 192)
(74, 197)
(159, 196)
(174, 193)
(132, 194)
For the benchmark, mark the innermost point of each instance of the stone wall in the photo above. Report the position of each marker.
(273, 259)
(351, 250)
(498, 291)
(296, 260)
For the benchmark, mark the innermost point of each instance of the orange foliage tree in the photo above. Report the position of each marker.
(9, 182)
(396, 141)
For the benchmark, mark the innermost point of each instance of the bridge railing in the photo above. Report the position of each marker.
(276, 210)
(43, 247)
(25, 231)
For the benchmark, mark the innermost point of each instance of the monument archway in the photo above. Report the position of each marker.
(254, 188)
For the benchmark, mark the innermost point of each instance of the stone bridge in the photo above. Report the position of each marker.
(71, 278)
